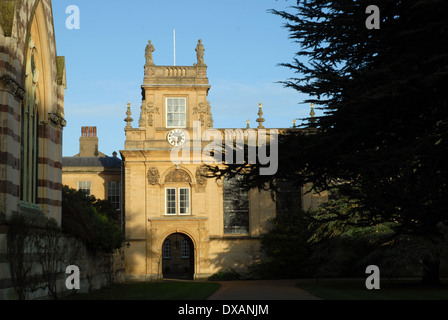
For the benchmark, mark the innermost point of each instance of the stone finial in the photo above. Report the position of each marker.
(312, 114)
(260, 119)
(128, 119)
(294, 123)
(247, 124)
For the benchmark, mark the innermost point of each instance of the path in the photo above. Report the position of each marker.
(261, 290)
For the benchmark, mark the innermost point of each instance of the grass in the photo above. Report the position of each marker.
(355, 289)
(335, 289)
(165, 290)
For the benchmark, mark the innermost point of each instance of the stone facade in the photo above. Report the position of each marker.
(32, 86)
(92, 169)
(165, 199)
(32, 78)
(177, 222)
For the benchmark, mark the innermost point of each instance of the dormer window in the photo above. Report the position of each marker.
(176, 112)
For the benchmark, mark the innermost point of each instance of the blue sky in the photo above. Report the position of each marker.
(105, 57)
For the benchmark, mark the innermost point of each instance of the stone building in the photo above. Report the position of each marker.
(32, 87)
(178, 223)
(93, 171)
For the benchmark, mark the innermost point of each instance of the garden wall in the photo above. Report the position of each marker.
(96, 270)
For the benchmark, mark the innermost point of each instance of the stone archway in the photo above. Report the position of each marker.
(178, 257)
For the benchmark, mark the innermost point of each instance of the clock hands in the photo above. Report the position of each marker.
(176, 137)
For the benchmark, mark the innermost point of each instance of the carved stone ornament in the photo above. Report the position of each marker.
(201, 108)
(150, 71)
(177, 175)
(210, 122)
(201, 72)
(142, 119)
(13, 87)
(56, 120)
(204, 109)
(148, 54)
(200, 53)
(200, 175)
(146, 113)
(10, 85)
(153, 176)
(20, 94)
(151, 110)
(128, 119)
(53, 118)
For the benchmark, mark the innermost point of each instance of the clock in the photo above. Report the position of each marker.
(176, 137)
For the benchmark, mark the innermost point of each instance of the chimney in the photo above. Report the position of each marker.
(88, 143)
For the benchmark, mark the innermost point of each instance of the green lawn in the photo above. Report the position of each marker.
(389, 290)
(166, 290)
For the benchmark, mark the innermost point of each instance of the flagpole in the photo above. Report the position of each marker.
(174, 42)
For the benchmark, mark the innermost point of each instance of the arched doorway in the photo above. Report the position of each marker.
(178, 257)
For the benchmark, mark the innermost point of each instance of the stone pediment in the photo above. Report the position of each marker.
(178, 175)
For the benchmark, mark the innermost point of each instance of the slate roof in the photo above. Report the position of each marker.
(107, 162)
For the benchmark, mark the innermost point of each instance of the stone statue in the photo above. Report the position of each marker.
(148, 54)
(200, 53)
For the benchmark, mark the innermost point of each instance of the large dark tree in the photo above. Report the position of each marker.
(384, 123)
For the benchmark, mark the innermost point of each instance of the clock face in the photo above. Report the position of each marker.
(176, 137)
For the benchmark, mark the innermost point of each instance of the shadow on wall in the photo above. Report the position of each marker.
(135, 253)
(177, 260)
(232, 257)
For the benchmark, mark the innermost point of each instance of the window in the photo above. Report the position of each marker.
(236, 207)
(170, 194)
(176, 112)
(166, 249)
(113, 193)
(29, 141)
(84, 185)
(185, 249)
(177, 201)
(184, 201)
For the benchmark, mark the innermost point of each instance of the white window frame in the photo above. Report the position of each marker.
(188, 211)
(178, 201)
(166, 112)
(82, 185)
(175, 202)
